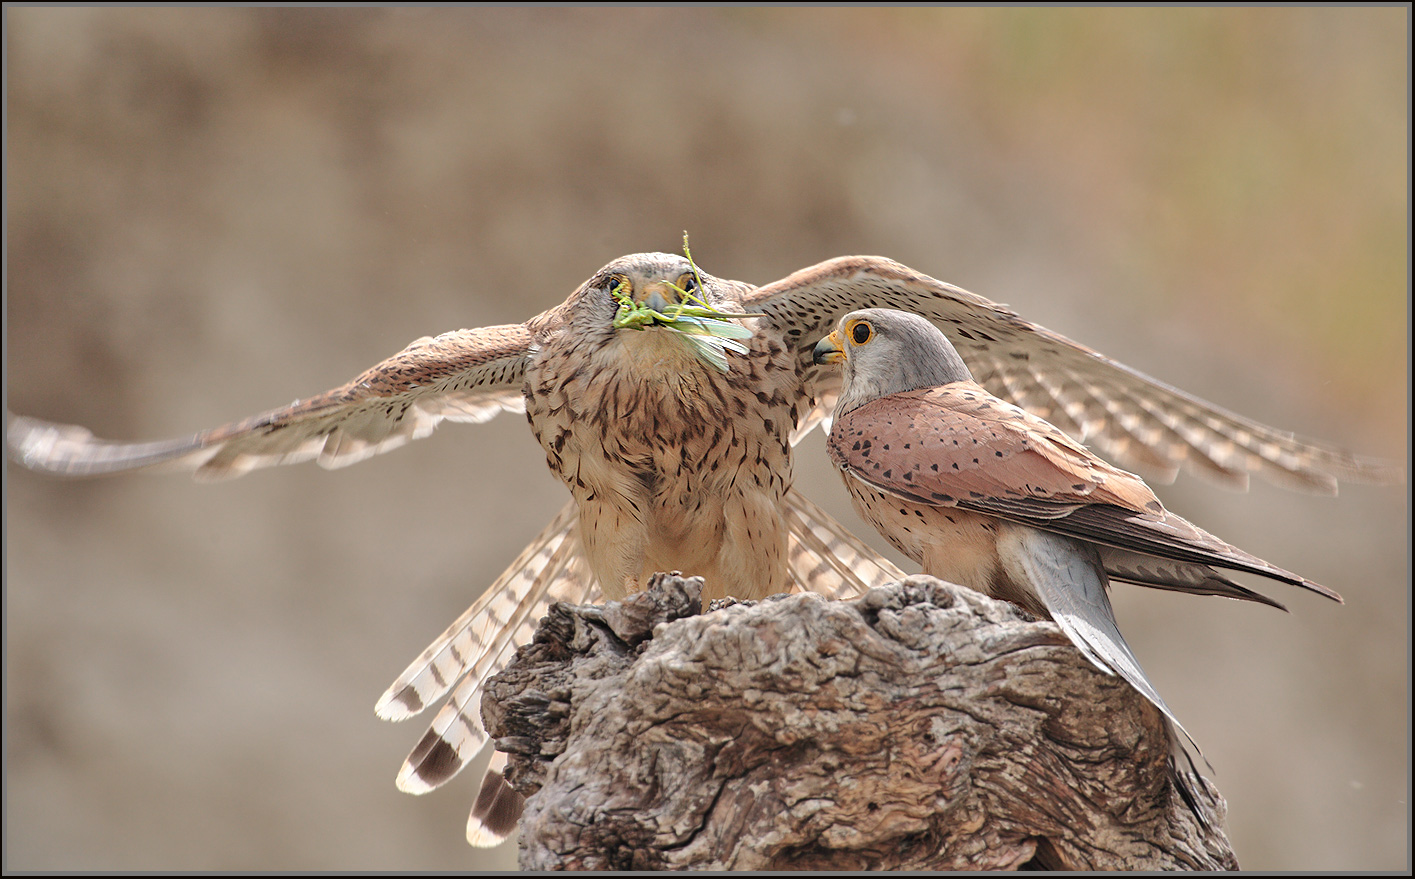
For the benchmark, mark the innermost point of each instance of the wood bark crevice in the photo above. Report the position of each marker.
(922, 726)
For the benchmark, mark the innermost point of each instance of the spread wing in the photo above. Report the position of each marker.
(959, 446)
(1131, 418)
(467, 375)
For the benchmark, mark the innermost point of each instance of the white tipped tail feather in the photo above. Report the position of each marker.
(824, 558)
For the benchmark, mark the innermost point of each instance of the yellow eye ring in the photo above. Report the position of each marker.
(860, 331)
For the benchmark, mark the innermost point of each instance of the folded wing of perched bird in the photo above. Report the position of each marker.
(987, 495)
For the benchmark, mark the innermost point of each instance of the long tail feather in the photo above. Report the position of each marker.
(497, 809)
(827, 559)
(1070, 581)
(443, 663)
(456, 734)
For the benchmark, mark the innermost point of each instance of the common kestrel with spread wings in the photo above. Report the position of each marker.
(674, 437)
(987, 495)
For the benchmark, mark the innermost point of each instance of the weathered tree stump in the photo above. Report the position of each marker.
(920, 727)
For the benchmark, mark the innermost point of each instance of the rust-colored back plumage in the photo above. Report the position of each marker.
(959, 446)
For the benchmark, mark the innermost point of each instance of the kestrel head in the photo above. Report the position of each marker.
(885, 352)
(662, 302)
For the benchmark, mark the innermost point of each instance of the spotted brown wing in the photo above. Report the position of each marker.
(1135, 420)
(959, 446)
(466, 375)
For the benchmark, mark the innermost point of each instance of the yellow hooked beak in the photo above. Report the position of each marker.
(829, 349)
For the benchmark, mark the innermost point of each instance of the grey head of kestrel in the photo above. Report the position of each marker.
(983, 493)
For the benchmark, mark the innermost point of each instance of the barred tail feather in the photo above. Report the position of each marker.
(443, 663)
(827, 559)
(497, 809)
(456, 734)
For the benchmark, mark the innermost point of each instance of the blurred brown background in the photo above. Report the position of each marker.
(211, 212)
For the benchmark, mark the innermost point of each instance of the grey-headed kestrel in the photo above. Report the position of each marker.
(987, 495)
(677, 450)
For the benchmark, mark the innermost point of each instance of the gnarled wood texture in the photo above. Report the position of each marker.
(920, 727)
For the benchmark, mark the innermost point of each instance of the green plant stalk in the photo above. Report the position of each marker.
(698, 324)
